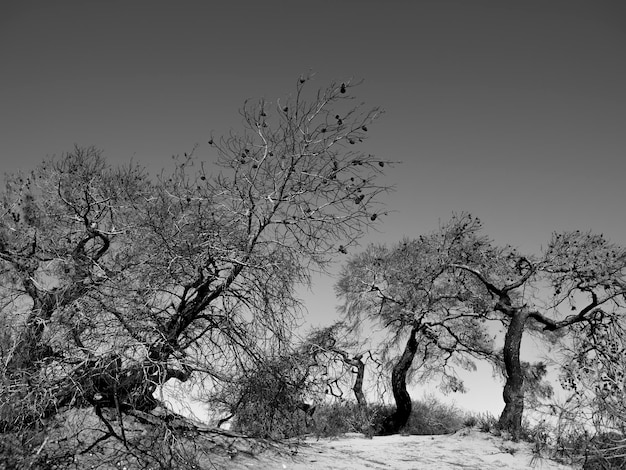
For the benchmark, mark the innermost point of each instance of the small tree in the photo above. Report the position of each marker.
(410, 292)
(333, 359)
(116, 282)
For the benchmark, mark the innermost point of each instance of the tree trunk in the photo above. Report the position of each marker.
(400, 417)
(359, 365)
(513, 394)
(357, 388)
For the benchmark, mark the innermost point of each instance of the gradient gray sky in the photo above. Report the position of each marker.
(512, 110)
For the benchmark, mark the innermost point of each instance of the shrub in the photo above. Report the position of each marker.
(484, 422)
(470, 421)
(339, 418)
(606, 451)
(430, 416)
(269, 401)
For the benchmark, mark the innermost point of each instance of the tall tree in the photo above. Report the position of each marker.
(409, 290)
(575, 276)
(116, 282)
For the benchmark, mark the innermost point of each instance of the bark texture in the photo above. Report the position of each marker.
(513, 394)
(357, 388)
(394, 423)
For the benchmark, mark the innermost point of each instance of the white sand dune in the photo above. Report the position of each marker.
(466, 449)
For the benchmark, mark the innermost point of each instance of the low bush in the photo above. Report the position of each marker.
(430, 416)
(485, 422)
(606, 451)
(339, 418)
(573, 443)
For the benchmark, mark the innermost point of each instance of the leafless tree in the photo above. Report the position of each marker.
(340, 361)
(115, 282)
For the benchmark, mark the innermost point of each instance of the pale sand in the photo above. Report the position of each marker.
(466, 449)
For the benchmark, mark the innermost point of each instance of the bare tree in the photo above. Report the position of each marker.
(116, 282)
(338, 361)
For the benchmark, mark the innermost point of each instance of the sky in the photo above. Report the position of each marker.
(514, 111)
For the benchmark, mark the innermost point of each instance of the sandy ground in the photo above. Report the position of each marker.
(467, 449)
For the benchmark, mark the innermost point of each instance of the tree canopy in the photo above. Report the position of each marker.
(116, 282)
(436, 316)
(437, 293)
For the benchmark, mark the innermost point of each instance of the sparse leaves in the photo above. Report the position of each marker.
(410, 290)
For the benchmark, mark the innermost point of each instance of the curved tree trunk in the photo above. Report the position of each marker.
(359, 371)
(513, 394)
(357, 388)
(400, 417)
